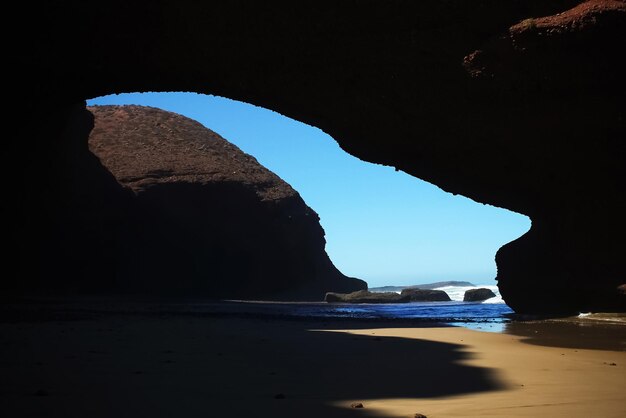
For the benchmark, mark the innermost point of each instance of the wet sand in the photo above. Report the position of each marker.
(121, 364)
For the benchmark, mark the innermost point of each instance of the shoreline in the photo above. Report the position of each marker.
(128, 363)
(185, 305)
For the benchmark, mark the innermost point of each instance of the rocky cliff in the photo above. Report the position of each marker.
(514, 103)
(193, 216)
(205, 218)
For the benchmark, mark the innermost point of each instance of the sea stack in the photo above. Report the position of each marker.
(478, 295)
(365, 296)
(196, 216)
(425, 295)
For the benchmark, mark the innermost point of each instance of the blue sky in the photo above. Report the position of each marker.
(382, 226)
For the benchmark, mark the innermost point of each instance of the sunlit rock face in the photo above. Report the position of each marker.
(157, 204)
(469, 95)
(203, 217)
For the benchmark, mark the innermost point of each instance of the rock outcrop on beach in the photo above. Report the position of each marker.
(425, 295)
(513, 103)
(195, 216)
(478, 295)
(364, 296)
(407, 295)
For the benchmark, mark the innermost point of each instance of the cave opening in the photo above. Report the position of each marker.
(514, 103)
(380, 225)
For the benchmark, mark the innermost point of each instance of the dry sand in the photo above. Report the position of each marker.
(132, 365)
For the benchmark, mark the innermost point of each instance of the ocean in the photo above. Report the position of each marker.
(490, 315)
(592, 330)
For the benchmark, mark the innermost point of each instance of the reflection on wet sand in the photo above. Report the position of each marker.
(590, 331)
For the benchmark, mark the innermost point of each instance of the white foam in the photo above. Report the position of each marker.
(457, 293)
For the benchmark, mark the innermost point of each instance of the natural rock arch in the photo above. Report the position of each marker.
(529, 118)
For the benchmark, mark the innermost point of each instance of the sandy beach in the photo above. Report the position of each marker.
(169, 365)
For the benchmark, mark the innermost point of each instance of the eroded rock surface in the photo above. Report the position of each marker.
(407, 295)
(478, 295)
(364, 296)
(425, 295)
(194, 216)
(205, 218)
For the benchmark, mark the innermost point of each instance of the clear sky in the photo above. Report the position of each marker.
(382, 226)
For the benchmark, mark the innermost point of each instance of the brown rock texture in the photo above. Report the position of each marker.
(144, 147)
(364, 296)
(407, 295)
(513, 103)
(425, 295)
(207, 219)
(198, 217)
(478, 295)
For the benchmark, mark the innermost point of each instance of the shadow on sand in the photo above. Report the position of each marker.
(130, 365)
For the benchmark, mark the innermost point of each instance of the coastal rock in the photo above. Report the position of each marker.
(478, 295)
(407, 295)
(520, 107)
(211, 223)
(364, 296)
(425, 295)
(568, 244)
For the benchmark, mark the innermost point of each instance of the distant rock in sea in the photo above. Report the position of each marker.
(434, 285)
(425, 295)
(407, 295)
(199, 217)
(478, 295)
(364, 296)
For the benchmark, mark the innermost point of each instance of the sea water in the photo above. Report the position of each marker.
(456, 293)
(492, 311)
(490, 315)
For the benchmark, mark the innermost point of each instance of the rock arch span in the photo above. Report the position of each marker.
(514, 103)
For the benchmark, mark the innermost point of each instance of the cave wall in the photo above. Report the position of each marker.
(527, 118)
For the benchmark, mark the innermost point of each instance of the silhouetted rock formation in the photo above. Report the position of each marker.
(407, 295)
(478, 295)
(425, 295)
(212, 222)
(483, 98)
(364, 296)
(563, 77)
